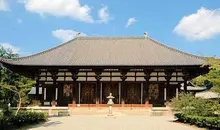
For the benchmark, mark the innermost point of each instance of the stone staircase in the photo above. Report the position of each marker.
(160, 111)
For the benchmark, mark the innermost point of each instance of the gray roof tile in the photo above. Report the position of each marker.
(110, 51)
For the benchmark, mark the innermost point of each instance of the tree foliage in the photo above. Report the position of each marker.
(13, 85)
(213, 75)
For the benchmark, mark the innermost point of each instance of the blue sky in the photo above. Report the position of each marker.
(31, 26)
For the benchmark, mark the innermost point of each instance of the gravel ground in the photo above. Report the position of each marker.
(102, 122)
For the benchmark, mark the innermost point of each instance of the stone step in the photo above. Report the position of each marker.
(160, 111)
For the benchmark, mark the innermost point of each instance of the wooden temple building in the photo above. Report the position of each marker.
(138, 71)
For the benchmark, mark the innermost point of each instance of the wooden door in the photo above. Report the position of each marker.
(156, 94)
(65, 94)
(133, 93)
(50, 93)
(87, 94)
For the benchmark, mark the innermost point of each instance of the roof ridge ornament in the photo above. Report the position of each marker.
(78, 34)
(145, 35)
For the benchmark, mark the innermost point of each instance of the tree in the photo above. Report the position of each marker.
(14, 88)
(213, 75)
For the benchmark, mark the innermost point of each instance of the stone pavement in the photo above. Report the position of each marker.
(123, 122)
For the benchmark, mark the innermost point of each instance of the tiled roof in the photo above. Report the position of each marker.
(109, 51)
(207, 95)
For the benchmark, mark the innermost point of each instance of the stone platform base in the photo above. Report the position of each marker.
(117, 111)
(121, 111)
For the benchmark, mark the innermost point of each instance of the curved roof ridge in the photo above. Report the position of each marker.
(109, 37)
(176, 50)
(54, 55)
(45, 51)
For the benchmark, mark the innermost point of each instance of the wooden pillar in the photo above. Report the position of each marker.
(185, 78)
(45, 93)
(123, 78)
(119, 91)
(79, 90)
(122, 94)
(98, 86)
(54, 77)
(142, 93)
(177, 92)
(37, 88)
(75, 86)
(165, 93)
(42, 95)
(168, 74)
(74, 92)
(146, 86)
(77, 93)
(56, 94)
(100, 93)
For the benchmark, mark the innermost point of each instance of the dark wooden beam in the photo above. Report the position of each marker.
(123, 78)
(168, 77)
(54, 77)
(147, 77)
(98, 86)
(186, 78)
(75, 91)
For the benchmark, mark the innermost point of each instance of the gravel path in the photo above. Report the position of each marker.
(126, 122)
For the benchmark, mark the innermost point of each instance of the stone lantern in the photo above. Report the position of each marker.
(110, 103)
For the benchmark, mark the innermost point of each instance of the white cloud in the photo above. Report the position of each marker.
(19, 20)
(14, 49)
(103, 14)
(131, 21)
(68, 8)
(65, 35)
(203, 24)
(4, 5)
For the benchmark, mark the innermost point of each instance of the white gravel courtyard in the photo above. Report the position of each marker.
(125, 122)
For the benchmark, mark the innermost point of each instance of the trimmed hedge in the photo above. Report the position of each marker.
(24, 118)
(200, 121)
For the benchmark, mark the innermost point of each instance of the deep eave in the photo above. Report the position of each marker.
(108, 52)
(121, 67)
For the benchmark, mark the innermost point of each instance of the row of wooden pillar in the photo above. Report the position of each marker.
(123, 78)
(144, 94)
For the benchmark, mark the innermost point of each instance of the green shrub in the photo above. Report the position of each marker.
(188, 104)
(7, 112)
(24, 118)
(200, 121)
